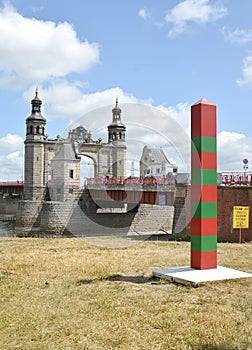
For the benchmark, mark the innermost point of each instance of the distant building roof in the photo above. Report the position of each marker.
(64, 152)
(154, 161)
(156, 155)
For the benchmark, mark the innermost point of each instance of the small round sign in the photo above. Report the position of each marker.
(245, 161)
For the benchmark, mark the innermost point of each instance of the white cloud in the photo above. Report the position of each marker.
(246, 71)
(11, 168)
(159, 126)
(144, 13)
(10, 142)
(166, 127)
(180, 113)
(232, 149)
(145, 125)
(237, 36)
(198, 11)
(33, 51)
(11, 157)
(63, 100)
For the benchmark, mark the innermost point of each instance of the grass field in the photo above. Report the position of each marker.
(66, 294)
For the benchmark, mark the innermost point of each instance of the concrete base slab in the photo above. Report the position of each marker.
(187, 275)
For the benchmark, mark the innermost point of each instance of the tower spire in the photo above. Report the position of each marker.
(117, 142)
(35, 121)
(116, 129)
(35, 158)
(36, 104)
(116, 111)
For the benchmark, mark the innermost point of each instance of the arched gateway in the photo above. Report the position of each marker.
(55, 163)
(54, 204)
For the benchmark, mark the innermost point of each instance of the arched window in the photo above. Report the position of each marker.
(31, 129)
(37, 129)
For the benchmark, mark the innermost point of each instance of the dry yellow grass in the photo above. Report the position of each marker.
(65, 294)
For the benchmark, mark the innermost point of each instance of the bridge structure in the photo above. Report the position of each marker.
(131, 191)
(54, 204)
(10, 188)
(234, 178)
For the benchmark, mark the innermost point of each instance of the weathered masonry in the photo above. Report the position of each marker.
(228, 196)
(53, 203)
(55, 163)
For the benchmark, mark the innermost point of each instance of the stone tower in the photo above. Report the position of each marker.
(117, 142)
(34, 170)
(65, 172)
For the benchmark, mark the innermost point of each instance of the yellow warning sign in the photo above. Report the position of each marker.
(240, 217)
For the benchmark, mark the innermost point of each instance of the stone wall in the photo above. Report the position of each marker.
(27, 220)
(9, 205)
(81, 218)
(181, 205)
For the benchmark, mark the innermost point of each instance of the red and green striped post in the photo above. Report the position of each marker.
(203, 186)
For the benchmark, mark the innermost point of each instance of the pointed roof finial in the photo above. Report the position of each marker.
(116, 109)
(36, 98)
(36, 108)
(117, 116)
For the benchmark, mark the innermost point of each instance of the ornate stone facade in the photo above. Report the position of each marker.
(52, 166)
(54, 204)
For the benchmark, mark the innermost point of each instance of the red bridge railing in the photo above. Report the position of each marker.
(235, 179)
(224, 179)
(11, 187)
(148, 180)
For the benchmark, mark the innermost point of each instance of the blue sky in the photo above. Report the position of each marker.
(163, 54)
